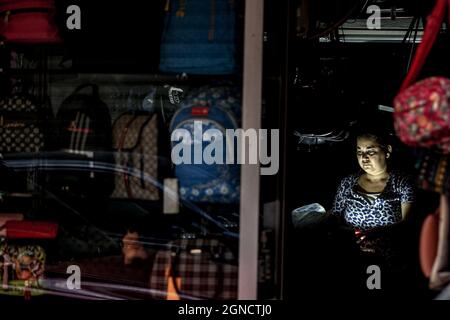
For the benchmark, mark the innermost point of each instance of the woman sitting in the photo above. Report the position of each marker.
(375, 199)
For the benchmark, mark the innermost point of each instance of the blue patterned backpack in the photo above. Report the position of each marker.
(203, 109)
(199, 37)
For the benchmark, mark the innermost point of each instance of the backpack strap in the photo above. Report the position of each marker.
(432, 28)
(95, 90)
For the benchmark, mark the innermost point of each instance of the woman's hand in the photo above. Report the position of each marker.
(361, 238)
(406, 208)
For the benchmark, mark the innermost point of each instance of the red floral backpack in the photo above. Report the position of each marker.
(421, 116)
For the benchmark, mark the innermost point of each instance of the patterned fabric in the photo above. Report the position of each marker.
(20, 137)
(433, 171)
(21, 268)
(204, 266)
(205, 182)
(20, 130)
(17, 103)
(422, 114)
(224, 97)
(135, 139)
(383, 211)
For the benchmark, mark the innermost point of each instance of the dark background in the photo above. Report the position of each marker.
(339, 83)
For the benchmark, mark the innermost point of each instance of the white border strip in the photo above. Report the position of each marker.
(250, 174)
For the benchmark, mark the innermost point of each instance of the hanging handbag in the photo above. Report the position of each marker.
(21, 125)
(85, 138)
(433, 171)
(28, 21)
(199, 37)
(15, 229)
(429, 238)
(24, 128)
(440, 271)
(135, 139)
(421, 116)
(195, 269)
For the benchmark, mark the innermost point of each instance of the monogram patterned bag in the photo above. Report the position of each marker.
(22, 131)
(20, 125)
(135, 139)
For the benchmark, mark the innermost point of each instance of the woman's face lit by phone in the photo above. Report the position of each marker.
(371, 156)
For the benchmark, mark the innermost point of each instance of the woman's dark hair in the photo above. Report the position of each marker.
(381, 138)
(376, 130)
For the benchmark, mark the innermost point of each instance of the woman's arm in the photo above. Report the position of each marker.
(406, 208)
(407, 195)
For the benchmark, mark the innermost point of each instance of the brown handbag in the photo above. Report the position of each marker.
(440, 272)
(429, 238)
(135, 139)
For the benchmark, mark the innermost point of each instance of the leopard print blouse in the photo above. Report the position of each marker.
(362, 213)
